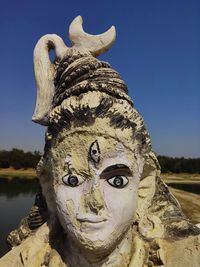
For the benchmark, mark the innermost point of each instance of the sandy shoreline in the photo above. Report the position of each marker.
(10, 173)
(189, 202)
(181, 178)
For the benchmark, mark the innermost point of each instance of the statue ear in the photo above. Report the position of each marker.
(44, 74)
(46, 182)
(149, 225)
(147, 185)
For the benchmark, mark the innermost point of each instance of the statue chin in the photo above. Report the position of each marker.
(99, 238)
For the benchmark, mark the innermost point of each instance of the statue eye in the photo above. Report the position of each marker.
(118, 181)
(71, 180)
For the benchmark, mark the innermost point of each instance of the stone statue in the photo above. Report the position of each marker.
(102, 201)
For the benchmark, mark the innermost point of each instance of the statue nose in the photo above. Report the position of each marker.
(94, 200)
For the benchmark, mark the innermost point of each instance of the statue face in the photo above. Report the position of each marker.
(95, 183)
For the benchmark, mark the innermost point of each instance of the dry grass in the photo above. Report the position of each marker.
(189, 202)
(182, 178)
(10, 173)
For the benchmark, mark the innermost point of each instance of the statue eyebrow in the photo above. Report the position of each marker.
(115, 168)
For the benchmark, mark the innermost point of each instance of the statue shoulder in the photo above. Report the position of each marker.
(182, 252)
(33, 251)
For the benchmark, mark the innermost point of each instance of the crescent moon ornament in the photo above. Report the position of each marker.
(96, 44)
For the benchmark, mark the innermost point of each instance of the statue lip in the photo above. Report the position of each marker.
(92, 219)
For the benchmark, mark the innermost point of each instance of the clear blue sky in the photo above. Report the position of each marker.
(157, 53)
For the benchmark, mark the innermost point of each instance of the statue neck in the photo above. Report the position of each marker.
(119, 257)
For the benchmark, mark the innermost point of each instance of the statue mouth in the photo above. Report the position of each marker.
(91, 219)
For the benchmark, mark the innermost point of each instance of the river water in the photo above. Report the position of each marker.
(16, 199)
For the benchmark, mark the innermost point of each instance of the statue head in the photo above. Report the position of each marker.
(98, 173)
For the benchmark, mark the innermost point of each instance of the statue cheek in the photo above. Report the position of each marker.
(121, 203)
(66, 205)
(71, 211)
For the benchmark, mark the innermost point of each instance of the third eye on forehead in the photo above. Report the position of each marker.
(94, 152)
(116, 169)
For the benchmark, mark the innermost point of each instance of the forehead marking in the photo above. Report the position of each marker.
(94, 152)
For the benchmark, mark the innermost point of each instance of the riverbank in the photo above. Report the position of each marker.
(190, 203)
(11, 173)
(181, 178)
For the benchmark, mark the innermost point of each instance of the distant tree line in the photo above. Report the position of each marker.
(177, 165)
(17, 159)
